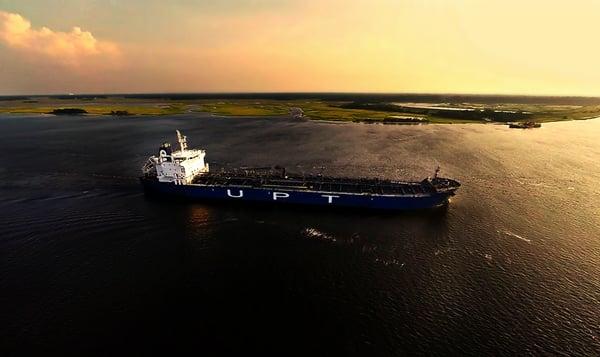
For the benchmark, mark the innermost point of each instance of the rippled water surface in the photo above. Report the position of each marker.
(91, 266)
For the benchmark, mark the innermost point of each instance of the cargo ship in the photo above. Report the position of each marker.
(184, 174)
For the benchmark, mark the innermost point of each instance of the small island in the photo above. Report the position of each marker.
(524, 125)
(68, 111)
(394, 119)
(120, 112)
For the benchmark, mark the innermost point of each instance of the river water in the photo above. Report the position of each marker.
(89, 265)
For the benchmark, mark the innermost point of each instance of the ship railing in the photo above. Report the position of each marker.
(149, 165)
(318, 183)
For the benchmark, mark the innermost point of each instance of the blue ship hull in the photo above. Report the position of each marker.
(232, 193)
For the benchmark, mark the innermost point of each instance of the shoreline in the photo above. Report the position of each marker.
(325, 121)
(382, 113)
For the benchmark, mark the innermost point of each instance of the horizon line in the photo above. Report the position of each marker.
(299, 93)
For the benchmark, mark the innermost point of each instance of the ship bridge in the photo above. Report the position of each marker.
(179, 167)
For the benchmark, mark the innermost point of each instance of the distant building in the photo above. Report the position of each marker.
(296, 113)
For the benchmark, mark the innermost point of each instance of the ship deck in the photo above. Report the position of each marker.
(315, 183)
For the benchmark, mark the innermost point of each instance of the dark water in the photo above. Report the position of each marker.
(91, 266)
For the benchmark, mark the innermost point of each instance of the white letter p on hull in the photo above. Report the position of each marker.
(277, 195)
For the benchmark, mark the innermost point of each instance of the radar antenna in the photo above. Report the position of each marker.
(182, 141)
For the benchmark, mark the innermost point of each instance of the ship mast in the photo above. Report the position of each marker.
(182, 141)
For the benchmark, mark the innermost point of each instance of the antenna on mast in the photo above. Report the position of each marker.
(437, 171)
(182, 141)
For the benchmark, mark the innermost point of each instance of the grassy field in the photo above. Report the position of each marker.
(316, 110)
(313, 109)
(320, 110)
(96, 109)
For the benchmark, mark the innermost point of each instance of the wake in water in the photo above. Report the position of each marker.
(511, 234)
(316, 234)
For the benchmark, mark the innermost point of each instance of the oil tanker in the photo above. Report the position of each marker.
(183, 174)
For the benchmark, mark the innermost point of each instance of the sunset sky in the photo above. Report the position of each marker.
(453, 46)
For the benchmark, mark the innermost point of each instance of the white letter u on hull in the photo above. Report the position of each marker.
(240, 194)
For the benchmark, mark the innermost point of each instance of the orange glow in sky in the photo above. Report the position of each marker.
(461, 46)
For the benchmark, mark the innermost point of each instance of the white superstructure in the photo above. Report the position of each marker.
(179, 167)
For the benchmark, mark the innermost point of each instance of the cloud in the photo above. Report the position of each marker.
(67, 48)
